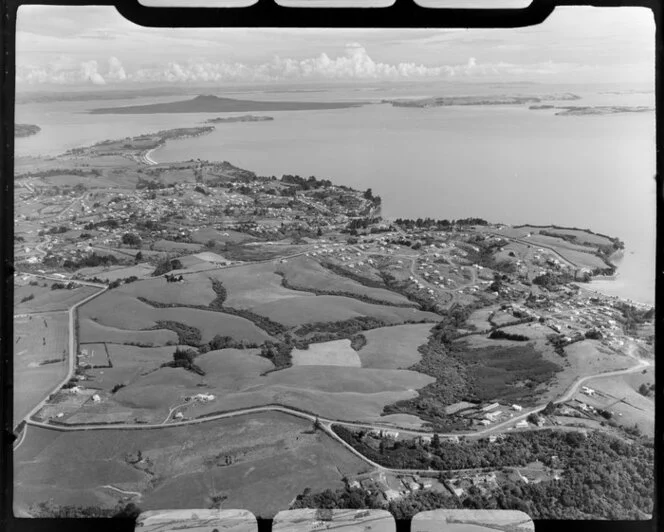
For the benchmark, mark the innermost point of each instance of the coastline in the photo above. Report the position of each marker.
(147, 159)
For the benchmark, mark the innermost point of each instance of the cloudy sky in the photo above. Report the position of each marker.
(95, 46)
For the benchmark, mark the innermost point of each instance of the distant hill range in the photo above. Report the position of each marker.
(243, 118)
(443, 101)
(214, 104)
(25, 130)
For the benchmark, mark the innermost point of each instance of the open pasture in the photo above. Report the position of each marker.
(581, 236)
(501, 317)
(480, 318)
(93, 354)
(123, 311)
(335, 353)
(203, 236)
(38, 339)
(170, 246)
(112, 274)
(45, 299)
(129, 362)
(629, 407)
(274, 457)
(582, 259)
(588, 357)
(195, 289)
(394, 347)
(91, 331)
(306, 274)
(256, 284)
(300, 310)
(558, 243)
(237, 379)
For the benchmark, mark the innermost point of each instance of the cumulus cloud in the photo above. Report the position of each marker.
(116, 71)
(354, 64)
(89, 72)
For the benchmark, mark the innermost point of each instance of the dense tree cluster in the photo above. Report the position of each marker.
(90, 261)
(184, 358)
(551, 281)
(187, 335)
(131, 239)
(305, 184)
(633, 317)
(110, 223)
(342, 328)
(499, 334)
(279, 353)
(166, 266)
(603, 477)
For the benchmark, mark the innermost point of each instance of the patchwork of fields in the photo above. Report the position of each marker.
(40, 350)
(304, 273)
(272, 456)
(45, 299)
(122, 310)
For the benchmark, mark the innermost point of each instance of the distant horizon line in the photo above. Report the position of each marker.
(137, 86)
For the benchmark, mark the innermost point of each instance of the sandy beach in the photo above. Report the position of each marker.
(147, 159)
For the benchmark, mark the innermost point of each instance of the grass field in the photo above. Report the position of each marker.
(40, 339)
(307, 274)
(91, 331)
(203, 236)
(249, 286)
(335, 353)
(274, 457)
(129, 363)
(480, 318)
(123, 311)
(582, 236)
(45, 299)
(195, 289)
(139, 270)
(237, 379)
(617, 395)
(94, 354)
(170, 246)
(394, 347)
(300, 310)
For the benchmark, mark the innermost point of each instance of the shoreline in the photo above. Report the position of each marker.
(148, 159)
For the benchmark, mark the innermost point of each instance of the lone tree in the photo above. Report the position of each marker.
(131, 239)
(317, 424)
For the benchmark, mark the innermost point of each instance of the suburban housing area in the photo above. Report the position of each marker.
(193, 334)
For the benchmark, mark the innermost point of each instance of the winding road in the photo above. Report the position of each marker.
(325, 424)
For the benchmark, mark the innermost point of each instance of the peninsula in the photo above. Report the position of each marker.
(279, 330)
(573, 110)
(213, 104)
(25, 130)
(243, 118)
(443, 101)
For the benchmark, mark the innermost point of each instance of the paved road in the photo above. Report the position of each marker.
(326, 424)
(73, 345)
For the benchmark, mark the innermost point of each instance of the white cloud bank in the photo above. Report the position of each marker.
(355, 64)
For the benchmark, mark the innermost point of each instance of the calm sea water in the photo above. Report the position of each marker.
(504, 163)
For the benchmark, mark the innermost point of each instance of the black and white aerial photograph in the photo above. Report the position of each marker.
(350, 274)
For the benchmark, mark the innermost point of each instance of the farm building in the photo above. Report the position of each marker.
(522, 424)
(490, 407)
(517, 408)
